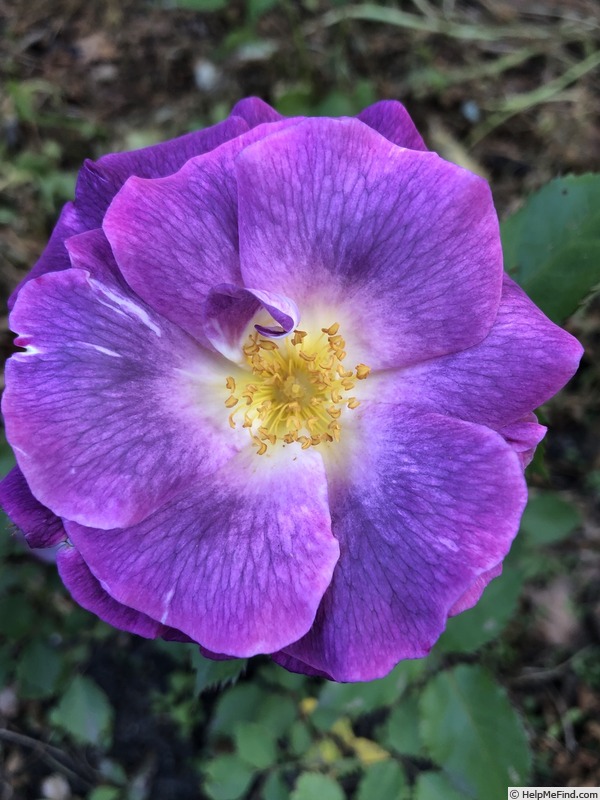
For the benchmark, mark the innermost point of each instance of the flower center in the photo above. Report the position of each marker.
(297, 390)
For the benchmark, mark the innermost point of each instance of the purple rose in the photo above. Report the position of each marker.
(276, 394)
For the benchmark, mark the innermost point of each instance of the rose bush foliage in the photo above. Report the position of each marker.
(276, 392)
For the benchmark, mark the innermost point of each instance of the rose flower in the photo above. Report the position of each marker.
(276, 392)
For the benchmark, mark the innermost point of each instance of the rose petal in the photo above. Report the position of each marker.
(39, 525)
(295, 665)
(99, 181)
(473, 594)
(111, 411)
(523, 362)
(524, 436)
(55, 257)
(88, 592)
(255, 111)
(176, 238)
(229, 310)
(91, 251)
(239, 563)
(333, 214)
(392, 120)
(422, 506)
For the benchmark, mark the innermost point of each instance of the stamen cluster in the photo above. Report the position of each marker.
(297, 391)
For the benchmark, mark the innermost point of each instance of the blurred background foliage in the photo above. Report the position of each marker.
(511, 693)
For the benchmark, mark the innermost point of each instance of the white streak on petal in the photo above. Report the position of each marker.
(448, 543)
(168, 598)
(101, 349)
(125, 305)
(30, 350)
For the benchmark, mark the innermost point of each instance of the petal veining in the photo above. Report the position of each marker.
(239, 562)
(175, 238)
(524, 360)
(108, 410)
(99, 181)
(428, 506)
(330, 211)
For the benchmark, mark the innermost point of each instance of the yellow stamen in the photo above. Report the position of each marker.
(262, 447)
(268, 344)
(266, 436)
(295, 391)
(298, 337)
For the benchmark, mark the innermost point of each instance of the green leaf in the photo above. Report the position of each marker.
(201, 5)
(435, 786)
(567, 278)
(275, 788)
(7, 458)
(277, 713)
(210, 674)
(292, 681)
(104, 793)
(548, 519)
(354, 699)
(256, 8)
(299, 738)
(38, 670)
(470, 729)
(240, 703)
(401, 732)
(296, 101)
(384, 779)
(84, 712)
(17, 618)
(343, 103)
(472, 629)
(227, 778)
(7, 216)
(552, 244)
(255, 744)
(113, 772)
(8, 545)
(6, 663)
(311, 785)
